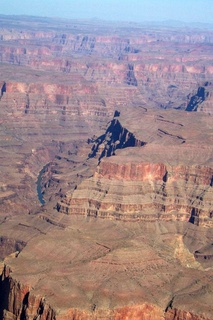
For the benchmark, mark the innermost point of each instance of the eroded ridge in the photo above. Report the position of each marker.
(147, 191)
(167, 178)
(115, 137)
(114, 264)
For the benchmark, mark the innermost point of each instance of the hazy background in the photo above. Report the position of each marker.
(119, 10)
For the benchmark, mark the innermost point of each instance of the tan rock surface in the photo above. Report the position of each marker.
(168, 178)
(96, 267)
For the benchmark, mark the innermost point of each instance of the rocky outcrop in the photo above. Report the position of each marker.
(116, 137)
(17, 302)
(175, 314)
(196, 101)
(110, 262)
(207, 105)
(144, 191)
(145, 181)
(159, 67)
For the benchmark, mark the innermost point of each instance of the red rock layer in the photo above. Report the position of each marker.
(154, 171)
(148, 191)
(163, 66)
(175, 314)
(132, 171)
(18, 302)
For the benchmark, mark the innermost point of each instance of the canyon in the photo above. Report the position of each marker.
(106, 190)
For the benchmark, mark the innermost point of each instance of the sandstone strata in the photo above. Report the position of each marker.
(95, 269)
(83, 128)
(148, 181)
(152, 66)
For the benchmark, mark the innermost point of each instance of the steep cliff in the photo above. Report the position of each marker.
(202, 99)
(17, 302)
(147, 181)
(90, 270)
(116, 137)
(149, 191)
(162, 66)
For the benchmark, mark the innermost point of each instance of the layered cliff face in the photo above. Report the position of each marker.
(161, 67)
(90, 270)
(65, 162)
(201, 100)
(150, 198)
(44, 99)
(17, 302)
(116, 137)
(149, 181)
(145, 191)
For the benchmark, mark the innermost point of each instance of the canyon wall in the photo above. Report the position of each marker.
(126, 186)
(149, 66)
(157, 192)
(105, 121)
(18, 303)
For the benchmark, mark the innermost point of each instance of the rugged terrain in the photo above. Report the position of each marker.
(106, 191)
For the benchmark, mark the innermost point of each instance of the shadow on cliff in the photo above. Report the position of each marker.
(115, 137)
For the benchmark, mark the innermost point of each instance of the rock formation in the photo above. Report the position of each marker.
(116, 137)
(151, 66)
(106, 191)
(148, 182)
(93, 269)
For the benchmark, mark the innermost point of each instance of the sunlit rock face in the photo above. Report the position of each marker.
(159, 67)
(137, 180)
(106, 191)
